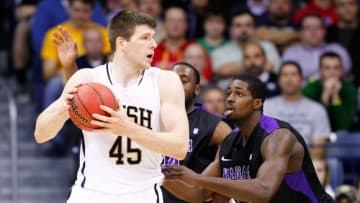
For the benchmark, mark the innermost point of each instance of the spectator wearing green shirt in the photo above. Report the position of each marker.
(337, 95)
(214, 27)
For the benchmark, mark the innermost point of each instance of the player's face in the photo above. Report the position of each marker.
(239, 101)
(139, 50)
(187, 78)
(290, 80)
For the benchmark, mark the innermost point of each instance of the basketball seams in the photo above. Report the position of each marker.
(84, 107)
(97, 93)
(87, 100)
(101, 96)
(84, 126)
(82, 104)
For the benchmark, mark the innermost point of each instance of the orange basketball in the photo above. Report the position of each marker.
(87, 100)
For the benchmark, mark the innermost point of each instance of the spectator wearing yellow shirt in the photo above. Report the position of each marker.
(80, 13)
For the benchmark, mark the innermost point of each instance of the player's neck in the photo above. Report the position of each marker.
(190, 108)
(247, 125)
(124, 73)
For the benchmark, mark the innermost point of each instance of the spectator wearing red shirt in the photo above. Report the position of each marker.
(197, 56)
(171, 49)
(324, 8)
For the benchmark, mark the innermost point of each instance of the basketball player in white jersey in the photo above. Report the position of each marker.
(121, 161)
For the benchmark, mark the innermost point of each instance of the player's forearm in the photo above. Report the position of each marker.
(69, 71)
(183, 192)
(50, 121)
(244, 190)
(171, 144)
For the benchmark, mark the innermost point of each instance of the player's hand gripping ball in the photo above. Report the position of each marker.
(87, 100)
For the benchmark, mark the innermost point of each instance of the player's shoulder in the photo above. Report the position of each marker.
(84, 75)
(167, 76)
(164, 72)
(280, 135)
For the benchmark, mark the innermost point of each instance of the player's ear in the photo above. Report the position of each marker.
(197, 89)
(257, 104)
(120, 42)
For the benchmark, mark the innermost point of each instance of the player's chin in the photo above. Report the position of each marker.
(148, 61)
(146, 64)
(230, 116)
(228, 113)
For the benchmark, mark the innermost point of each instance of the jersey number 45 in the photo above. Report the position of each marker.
(117, 151)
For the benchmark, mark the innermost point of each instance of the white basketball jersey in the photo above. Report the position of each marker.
(118, 165)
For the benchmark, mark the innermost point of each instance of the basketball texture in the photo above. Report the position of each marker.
(87, 100)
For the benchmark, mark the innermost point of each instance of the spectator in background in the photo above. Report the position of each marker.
(322, 171)
(213, 100)
(171, 49)
(278, 26)
(111, 7)
(7, 26)
(357, 187)
(196, 13)
(347, 33)
(323, 8)
(345, 194)
(227, 60)
(306, 116)
(131, 5)
(154, 9)
(214, 27)
(254, 63)
(21, 44)
(257, 8)
(93, 44)
(336, 94)
(345, 30)
(197, 56)
(312, 45)
(53, 12)
(80, 12)
(48, 14)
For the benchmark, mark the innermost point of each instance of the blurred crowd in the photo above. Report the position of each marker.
(306, 52)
